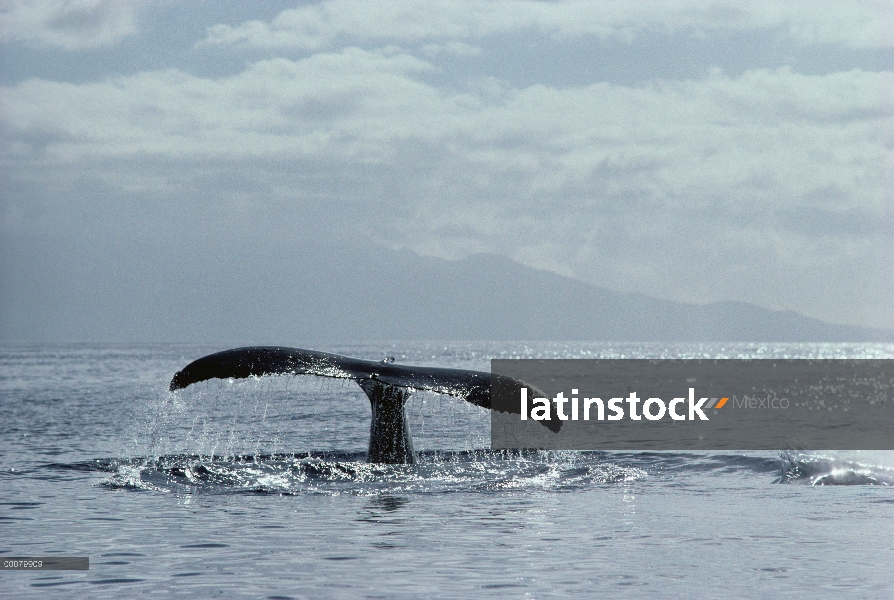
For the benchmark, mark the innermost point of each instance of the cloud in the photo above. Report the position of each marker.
(451, 48)
(359, 104)
(866, 24)
(752, 187)
(340, 103)
(69, 24)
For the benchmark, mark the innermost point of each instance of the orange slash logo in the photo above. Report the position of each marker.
(715, 404)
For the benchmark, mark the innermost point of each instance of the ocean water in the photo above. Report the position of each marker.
(259, 489)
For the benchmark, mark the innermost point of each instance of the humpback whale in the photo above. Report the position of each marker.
(386, 384)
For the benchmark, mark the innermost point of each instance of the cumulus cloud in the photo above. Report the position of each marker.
(348, 103)
(769, 130)
(756, 130)
(865, 24)
(69, 24)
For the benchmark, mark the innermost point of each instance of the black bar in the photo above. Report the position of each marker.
(669, 404)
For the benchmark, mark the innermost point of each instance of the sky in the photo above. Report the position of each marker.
(695, 151)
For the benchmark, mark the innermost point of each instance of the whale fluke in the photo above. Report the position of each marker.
(388, 386)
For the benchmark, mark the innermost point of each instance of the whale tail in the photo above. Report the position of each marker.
(388, 386)
(389, 430)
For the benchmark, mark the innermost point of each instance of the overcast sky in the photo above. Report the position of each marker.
(694, 151)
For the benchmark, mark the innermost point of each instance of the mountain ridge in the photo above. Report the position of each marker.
(348, 292)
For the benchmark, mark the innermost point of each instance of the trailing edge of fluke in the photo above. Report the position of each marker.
(388, 386)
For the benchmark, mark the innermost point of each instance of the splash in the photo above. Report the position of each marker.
(336, 473)
(837, 468)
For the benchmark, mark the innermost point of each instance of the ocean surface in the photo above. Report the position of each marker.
(258, 489)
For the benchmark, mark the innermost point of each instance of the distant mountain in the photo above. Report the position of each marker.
(492, 297)
(348, 293)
